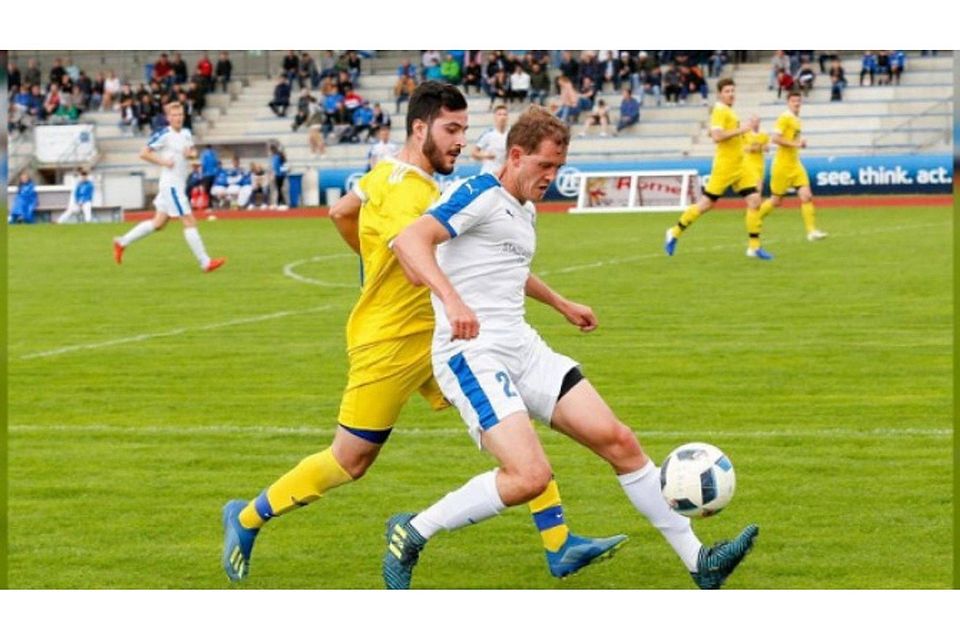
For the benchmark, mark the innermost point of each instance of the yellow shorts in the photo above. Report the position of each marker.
(783, 177)
(382, 378)
(722, 177)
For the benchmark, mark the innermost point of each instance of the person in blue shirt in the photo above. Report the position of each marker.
(209, 165)
(25, 204)
(80, 200)
(278, 162)
(629, 111)
(868, 66)
(362, 121)
(221, 182)
(898, 61)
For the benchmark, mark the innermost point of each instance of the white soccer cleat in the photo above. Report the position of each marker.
(816, 234)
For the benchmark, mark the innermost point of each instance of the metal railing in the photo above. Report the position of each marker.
(920, 137)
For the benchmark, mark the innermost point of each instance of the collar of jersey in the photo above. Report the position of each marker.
(411, 167)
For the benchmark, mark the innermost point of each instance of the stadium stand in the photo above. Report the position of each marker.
(912, 117)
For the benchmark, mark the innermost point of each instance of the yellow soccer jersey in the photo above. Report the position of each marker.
(730, 150)
(788, 126)
(754, 159)
(393, 194)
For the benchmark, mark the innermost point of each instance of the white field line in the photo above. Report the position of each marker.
(172, 332)
(288, 270)
(305, 430)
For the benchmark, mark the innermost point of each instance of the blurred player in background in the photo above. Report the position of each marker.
(389, 337)
(755, 146)
(727, 169)
(474, 250)
(491, 146)
(170, 148)
(788, 172)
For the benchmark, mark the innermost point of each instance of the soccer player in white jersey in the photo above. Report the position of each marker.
(499, 372)
(171, 148)
(382, 148)
(491, 147)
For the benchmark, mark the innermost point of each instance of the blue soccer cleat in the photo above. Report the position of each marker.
(237, 542)
(759, 253)
(714, 565)
(577, 552)
(404, 544)
(670, 243)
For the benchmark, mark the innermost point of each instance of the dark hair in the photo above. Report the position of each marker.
(725, 82)
(429, 98)
(535, 125)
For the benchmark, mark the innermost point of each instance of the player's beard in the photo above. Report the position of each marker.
(436, 156)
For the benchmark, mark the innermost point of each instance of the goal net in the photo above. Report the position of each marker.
(636, 191)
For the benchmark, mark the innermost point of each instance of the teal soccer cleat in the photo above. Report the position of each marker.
(714, 565)
(237, 542)
(404, 544)
(577, 552)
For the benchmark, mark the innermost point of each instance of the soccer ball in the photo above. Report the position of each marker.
(697, 480)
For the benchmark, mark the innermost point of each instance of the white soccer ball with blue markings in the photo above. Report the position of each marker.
(697, 480)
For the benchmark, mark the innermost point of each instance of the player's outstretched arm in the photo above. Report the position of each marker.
(414, 248)
(576, 314)
(345, 215)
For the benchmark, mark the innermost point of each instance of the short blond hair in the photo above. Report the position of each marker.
(535, 125)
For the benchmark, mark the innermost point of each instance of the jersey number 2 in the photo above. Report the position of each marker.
(504, 379)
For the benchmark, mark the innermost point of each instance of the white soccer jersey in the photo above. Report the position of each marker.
(380, 150)
(495, 142)
(172, 144)
(488, 257)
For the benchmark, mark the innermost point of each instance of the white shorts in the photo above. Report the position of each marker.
(173, 202)
(488, 382)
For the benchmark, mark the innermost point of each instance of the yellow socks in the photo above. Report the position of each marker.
(687, 218)
(300, 486)
(548, 516)
(809, 215)
(754, 226)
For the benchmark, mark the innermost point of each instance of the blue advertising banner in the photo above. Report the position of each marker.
(835, 175)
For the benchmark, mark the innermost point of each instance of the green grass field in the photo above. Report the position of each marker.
(142, 397)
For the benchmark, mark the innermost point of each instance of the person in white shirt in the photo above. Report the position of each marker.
(519, 84)
(382, 148)
(491, 146)
(473, 249)
(170, 148)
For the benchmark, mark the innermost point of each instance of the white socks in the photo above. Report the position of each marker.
(142, 230)
(193, 239)
(474, 502)
(643, 489)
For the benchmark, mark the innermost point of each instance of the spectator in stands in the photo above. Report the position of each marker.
(599, 115)
(204, 75)
(128, 108)
(354, 66)
(588, 93)
(693, 82)
(838, 80)
(89, 98)
(716, 60)
(111, 90)
(260, 194)
(784, 82)
(519, 84)
(568, 107)
(629, 110)
(407, 69)
(278, 162)
(306, 106)
(332, 111)
(71, 69)
(609, 69)
(159, 121)
(590, 68)
(868, 67)
(32, 74)
(672, 84)
(569, 68)
(179, 67)
(539, 84)
(145, 112)
(883, 66)
(450, 69)
(805, 79)
(25, 205)
(315, 135)
(381, 119)
(499, 88)
(381, 149)
(57, 72)
(328, 65)
(626, 71)
(898, 62)
(777, 62)
(351, 101)
(81, 199)
(429, 60)
(13, 77)
(224, 70)
(290, 66)
(20, 119)
(344, 84)
(360, 120)
(209, 164)
(52, 102)
(472, 76)
(163, 71)
(403, 89)
(37, 109)
(825, 57)
(197, 98)
(281, 96)
(307, 73)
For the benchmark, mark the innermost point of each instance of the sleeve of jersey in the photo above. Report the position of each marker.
(359, 189)
(717, 119)
(156, 140)
(459, 209)
(781, 126)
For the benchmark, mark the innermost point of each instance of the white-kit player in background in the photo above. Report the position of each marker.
(172, 149)
(499, 373)
(491, 147)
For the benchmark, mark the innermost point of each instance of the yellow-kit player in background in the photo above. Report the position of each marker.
(727, 170)
(788, 172)
(389, 336)
(755, 146)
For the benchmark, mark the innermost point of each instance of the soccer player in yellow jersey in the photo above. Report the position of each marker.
(389, 335)
(787, 171)
(755, 146)
(727, 169)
